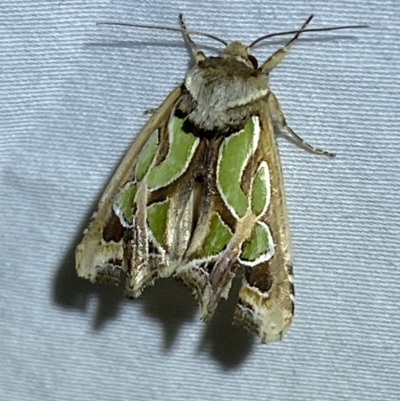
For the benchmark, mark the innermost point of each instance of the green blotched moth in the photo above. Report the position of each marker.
(199, 195)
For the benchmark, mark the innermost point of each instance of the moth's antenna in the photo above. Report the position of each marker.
(224, 42)
(334, 28)
(197, 54)
(281, 53)
(165, 28)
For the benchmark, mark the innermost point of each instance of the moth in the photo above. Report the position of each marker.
(199, 195)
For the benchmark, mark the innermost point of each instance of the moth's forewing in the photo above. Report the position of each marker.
(266, 298)
(243, 227)
(162, 217)
(227, 233)
(103, 254)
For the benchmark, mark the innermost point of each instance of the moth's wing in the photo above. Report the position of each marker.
(103, 253)
(266, 298)
(242, 226)
(230, 233)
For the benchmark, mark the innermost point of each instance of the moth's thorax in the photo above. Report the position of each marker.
(221, 93)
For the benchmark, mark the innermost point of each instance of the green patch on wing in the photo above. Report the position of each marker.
(259, 192)
(234, 153)
(218, 236)
(258, 244)
(157, 217)
(146, 156)
(181, 150)
(124, 205)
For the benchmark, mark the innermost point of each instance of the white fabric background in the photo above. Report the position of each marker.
(72, 97)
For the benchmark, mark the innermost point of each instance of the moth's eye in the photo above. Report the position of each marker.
(253, 61)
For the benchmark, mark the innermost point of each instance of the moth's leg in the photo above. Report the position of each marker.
(280, 54)
(279, 121)
(150, 112)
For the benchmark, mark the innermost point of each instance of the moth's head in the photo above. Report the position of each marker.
(240, 52)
